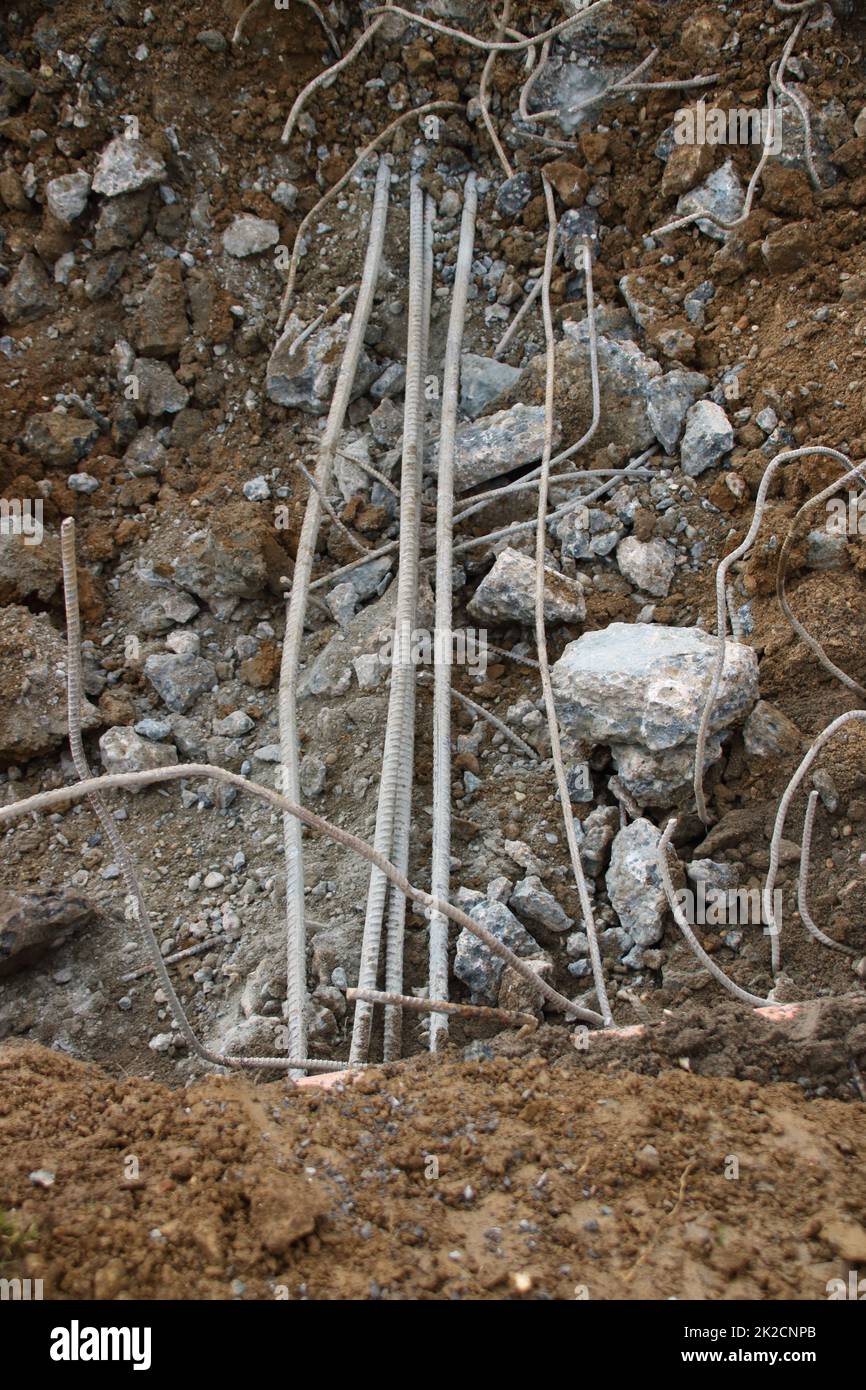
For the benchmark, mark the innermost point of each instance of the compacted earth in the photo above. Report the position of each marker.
(704, 1148)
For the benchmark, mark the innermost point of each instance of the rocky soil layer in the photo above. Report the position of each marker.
(149, 212)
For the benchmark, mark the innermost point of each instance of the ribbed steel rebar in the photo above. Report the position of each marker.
(486, 74)
(782, 815)
(395, 926)
(486, 45)
(781, 570)
(540, 625)
(444, 1006)
(45, 801)
(394, 751)
(297, 606)
(803, 883)
(322, 78)
(440, 869)
(721, 608)
(337, 188)
(744, 995)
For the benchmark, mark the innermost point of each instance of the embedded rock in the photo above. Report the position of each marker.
(634, 883)
(708, 436)
(33, 688)
(34, 924)
(126, 166)
(643, 683)
(160, 326)
(494, 445)
(516, 992)
(28, 293)
(669, 398)
(507, 593)
(236, 556)
(768, 733)
(305, 379)
(121, 222)
(29, 562)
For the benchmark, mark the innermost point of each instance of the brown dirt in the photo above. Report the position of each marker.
(552, 1183)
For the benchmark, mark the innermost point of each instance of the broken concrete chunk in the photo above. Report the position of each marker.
(645, 683)
(159, 391)
(721, 194)
(649, 565)
(598, 828)
(634, 883)
(248, 236)
(708, 436)
(669, 398)
(167, 612)
(482, 379)
(123, 750)
(368, 633)
(494, 445)
(644, 302)
(507, 593)
(126, 166)
(825, 552)
(532, 900)
(585, 533)
(576, 227)
(67, 196)
(32, 924)
(565, 86)
(662, 779)
(624, 375)
(305, 379)
(179, 680)
(513, 194)
(474, 964)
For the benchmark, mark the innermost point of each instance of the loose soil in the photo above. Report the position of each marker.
(513, 1178)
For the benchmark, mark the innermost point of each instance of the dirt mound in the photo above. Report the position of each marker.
(820, 1044)
(507, 1178)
